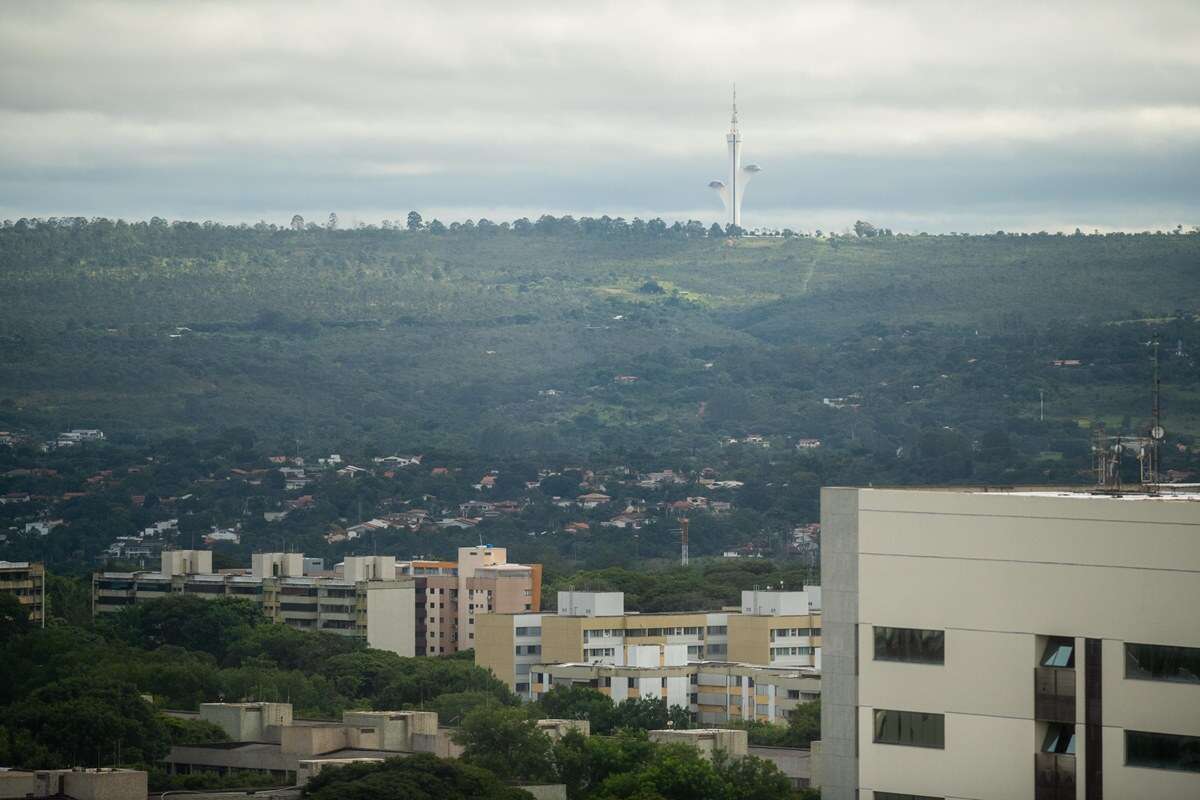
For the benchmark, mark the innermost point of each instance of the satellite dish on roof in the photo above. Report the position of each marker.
(1157, 432)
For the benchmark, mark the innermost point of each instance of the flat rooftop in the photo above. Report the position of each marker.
(1167, 492)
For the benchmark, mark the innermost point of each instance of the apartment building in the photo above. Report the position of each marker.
(1010, 644)
(367, 600)
(450, 594)
(772, 642)
(27, 582)
(713, 691)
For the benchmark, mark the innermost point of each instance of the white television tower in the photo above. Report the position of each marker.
(731, 193)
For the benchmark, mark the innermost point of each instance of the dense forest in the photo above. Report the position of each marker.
(511, 339)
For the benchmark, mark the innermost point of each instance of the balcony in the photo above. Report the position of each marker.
(1054, 695)
(1054, 777)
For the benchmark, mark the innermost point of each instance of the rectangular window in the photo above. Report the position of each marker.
(1060, 739)
(718, 630)
(1162, 751)
(1157, 662)
(911, 728)
(1060, 652)
(912, 645)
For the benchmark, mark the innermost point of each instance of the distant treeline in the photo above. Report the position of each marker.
(546, 225)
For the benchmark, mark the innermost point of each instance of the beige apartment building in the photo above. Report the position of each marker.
(758, 661)
(367, 600)
(450, 595)
(1010, 645)
(27, 582)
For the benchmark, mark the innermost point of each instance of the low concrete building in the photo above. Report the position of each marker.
(558, 728)
(267, 739)
(248, 722)
(311, 768)
(797, 763)
(733, 742)
(394, 730)
(76, 784)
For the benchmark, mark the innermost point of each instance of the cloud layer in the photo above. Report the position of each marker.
(937, 116)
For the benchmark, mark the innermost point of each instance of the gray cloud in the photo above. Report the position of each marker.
(938, 116)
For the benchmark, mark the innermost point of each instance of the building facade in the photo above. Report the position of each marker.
(1010, 645)
(706, 661)
(27, 582)
(450, 595)
(367, 600)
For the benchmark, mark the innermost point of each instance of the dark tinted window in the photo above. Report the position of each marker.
(1162, 751)
(1162, 663)
(1060, 652)
(1060, 738)
(910, 644)
(910, 728)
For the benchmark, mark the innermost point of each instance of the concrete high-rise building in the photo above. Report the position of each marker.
(1010, 645)
(739, 177)
(450, 595)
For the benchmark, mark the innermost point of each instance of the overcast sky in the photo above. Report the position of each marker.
(938, 116)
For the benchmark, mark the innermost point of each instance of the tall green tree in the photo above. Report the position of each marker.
(418, 777)
(507, 742)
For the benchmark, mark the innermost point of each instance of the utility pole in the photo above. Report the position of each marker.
(683, 539)
(1041, 405)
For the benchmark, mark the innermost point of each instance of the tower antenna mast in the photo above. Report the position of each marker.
(732, 190)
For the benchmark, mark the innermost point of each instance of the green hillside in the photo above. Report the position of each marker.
(455, 340)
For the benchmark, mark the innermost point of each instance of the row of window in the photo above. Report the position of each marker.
(1142, 661)
(1142, 748)
(529, 649)
(794, 632)
(599, 652)
(637, 632)
(528, 631)
(777, 652)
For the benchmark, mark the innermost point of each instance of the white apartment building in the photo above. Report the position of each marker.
(1006, 645)
(752, 662)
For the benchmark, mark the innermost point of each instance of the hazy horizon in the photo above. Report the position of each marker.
(929, 117)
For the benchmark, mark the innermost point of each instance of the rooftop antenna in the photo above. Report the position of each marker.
(1156, 429)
